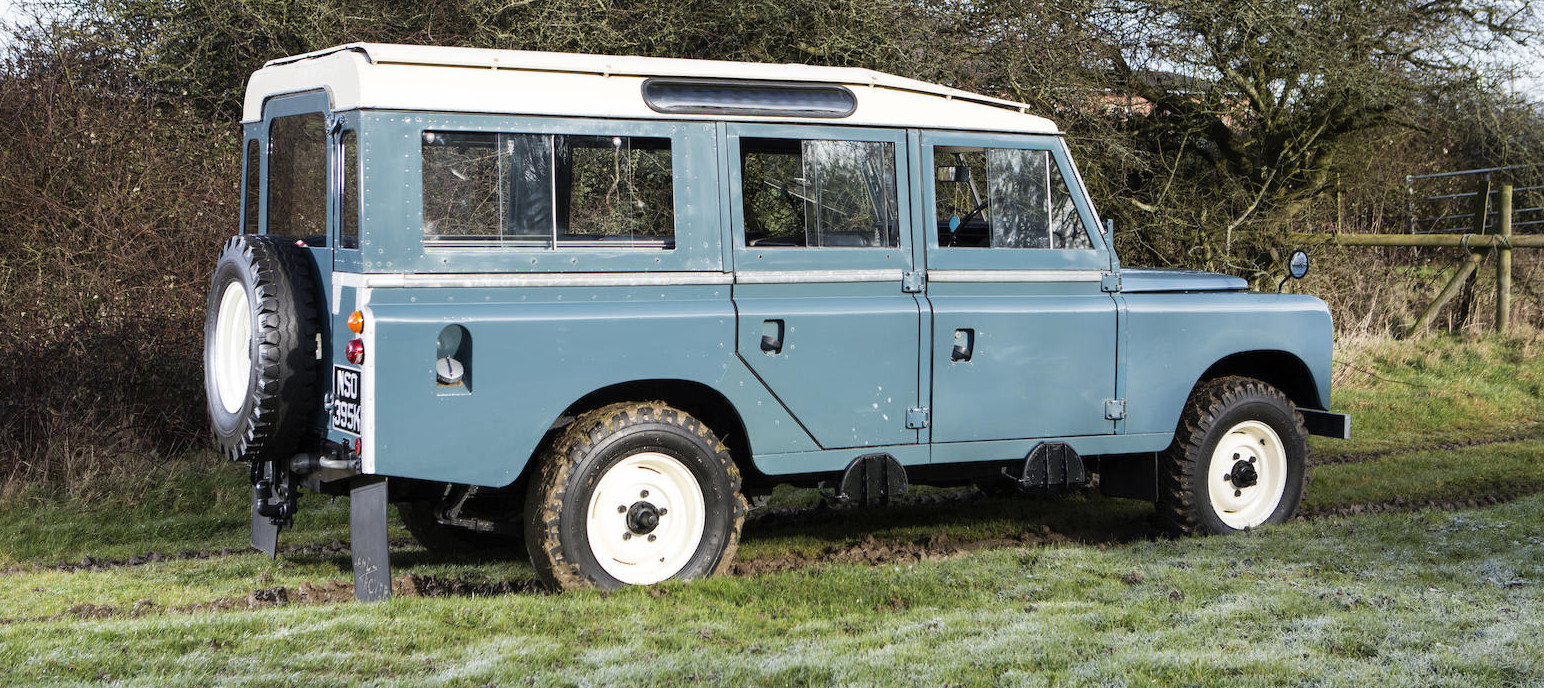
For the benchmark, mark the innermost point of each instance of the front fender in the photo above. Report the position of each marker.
(1172, 339)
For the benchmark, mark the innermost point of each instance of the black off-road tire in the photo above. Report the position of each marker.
(1215, 408)
(449, 540)
(268, 419)
(559, 495)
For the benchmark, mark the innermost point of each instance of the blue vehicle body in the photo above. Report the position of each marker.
(809, 357)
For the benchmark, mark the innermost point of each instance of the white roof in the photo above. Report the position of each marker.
(426, 78)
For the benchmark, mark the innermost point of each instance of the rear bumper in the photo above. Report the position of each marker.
(1327, 424)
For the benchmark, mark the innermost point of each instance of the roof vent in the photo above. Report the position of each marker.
(764, 98)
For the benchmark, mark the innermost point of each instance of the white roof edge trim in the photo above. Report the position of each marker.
(626, 65)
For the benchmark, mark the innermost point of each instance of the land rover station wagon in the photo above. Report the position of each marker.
(592, 307)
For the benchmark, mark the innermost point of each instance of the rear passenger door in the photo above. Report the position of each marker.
(821, 256)
(1023, 332)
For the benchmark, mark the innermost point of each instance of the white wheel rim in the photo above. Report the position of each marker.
(231, 357)
(640, 556)
(1240, 503)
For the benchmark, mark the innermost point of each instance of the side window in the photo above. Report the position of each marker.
(297, 178)
(1004, 198)
(250, 201)
(817, 193)
(348, 236)
(547, 191)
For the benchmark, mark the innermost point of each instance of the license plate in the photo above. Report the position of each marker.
(347, 407)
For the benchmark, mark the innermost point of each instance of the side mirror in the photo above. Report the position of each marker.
(952, 173)
(1297, 265)
(1297, 268)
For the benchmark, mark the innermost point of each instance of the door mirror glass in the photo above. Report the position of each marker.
(1297, 265)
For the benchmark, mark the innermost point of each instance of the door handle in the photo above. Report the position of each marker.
(772, 337)
(964, 345)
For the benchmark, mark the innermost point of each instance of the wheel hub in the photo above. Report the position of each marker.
(1244, 475)
(642, 518)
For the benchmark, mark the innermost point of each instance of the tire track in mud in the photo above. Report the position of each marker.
(1361, 457)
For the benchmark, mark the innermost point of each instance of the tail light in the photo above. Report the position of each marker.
(354, 351)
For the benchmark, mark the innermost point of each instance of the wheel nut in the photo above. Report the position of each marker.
(621, 509)
(627, 536)
(663, 511)
(1251, 459)
(652, 537)
(643, 495)
(1235, 456)
(1238, 493)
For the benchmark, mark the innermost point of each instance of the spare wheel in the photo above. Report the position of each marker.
(260, 347)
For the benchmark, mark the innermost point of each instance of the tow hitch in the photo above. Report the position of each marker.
(273, 504)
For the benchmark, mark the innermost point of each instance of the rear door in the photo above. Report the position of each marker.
(821, 261)
(1023, 333)
(301, 173)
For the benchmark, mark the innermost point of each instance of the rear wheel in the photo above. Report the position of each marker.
(1238, 459)
(633, 494)
(422, 518)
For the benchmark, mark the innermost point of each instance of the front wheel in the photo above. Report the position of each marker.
(633, 494)
(1238, 460)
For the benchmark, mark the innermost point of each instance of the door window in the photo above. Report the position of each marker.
(819, 193)
(1004, 198)
(297, 178)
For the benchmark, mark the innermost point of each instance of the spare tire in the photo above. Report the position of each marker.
(260, 347)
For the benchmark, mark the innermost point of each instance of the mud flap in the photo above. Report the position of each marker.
(1052, 467)
(873, 479)
(265, 533)
(367, 535)
(273, 505)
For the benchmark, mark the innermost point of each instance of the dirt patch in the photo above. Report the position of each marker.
(307, 593)
(872, 551)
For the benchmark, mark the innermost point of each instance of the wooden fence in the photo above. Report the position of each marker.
(1483, 237)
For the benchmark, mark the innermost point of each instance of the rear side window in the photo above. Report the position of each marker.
(297, 178)
(547, 191)
(348, 234)
(816, 193)
(1004, 198)
(250, 200)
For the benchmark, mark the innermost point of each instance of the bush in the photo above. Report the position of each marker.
(114, 208)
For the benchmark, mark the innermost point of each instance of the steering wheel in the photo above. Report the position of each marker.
(972, 214)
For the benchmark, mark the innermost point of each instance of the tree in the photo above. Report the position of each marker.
(1257, 99)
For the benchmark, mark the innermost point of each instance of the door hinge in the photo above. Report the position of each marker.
(1114, 409)
(911, 282)
(917, 418)
(1110, 282)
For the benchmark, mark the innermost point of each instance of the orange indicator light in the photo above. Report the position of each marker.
(356, 322)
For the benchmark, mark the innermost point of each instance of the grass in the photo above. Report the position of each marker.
(1436, 390)
(1417, 598)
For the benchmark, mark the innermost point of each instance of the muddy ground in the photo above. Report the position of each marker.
(866, 550)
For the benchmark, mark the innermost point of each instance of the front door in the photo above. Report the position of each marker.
(821, 257)
(1023, 334)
